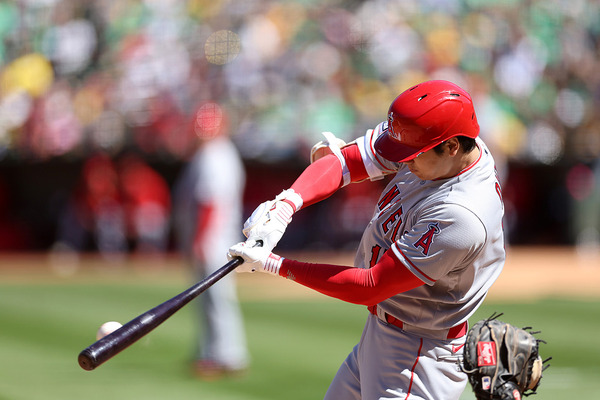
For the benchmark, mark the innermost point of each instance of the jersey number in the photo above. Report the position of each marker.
(375, 252)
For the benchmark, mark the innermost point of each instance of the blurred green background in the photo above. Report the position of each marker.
(297, 338)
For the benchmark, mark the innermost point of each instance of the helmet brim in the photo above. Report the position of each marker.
(392, 150)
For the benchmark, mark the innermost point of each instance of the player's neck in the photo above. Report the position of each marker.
(461, 162)
(468, 159)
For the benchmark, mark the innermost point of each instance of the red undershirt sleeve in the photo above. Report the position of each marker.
(323, 177)
(355, 285)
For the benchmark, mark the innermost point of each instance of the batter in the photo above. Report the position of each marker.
(426, 260)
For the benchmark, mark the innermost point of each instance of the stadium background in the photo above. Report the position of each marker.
(88, 89)
(123, 78)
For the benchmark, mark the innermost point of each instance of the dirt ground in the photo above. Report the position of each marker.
(529, 273)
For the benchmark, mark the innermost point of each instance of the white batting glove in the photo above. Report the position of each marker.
(270, 219)
(256, 258)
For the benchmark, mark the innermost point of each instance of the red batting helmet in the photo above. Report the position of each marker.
(424, 116)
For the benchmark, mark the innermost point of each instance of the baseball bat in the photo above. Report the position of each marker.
(117, 341)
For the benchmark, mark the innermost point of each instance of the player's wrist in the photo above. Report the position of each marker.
(290, 197)
(272, 264)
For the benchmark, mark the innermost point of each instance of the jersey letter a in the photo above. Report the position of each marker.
(425, 241)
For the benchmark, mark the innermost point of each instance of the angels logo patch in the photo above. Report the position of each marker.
(427, 239)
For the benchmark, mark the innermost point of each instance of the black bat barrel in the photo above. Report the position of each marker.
(117, 341)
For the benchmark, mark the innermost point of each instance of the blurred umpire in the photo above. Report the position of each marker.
(208, 212)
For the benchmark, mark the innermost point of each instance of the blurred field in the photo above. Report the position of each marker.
(50, 309)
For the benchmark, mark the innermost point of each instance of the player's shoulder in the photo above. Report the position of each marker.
(447, 200)
(474, 190)
(477, 192)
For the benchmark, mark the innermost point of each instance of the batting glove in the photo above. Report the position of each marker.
(256, 257)
(270, 219)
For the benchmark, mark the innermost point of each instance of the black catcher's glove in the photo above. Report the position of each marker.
(502, 361)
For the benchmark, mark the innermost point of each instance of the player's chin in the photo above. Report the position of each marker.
(416, 172)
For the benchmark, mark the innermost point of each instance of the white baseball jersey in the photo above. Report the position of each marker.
(448, 232)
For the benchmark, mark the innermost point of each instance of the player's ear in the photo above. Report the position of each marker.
(453, 146)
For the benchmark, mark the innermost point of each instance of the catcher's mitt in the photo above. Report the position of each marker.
(502, 361)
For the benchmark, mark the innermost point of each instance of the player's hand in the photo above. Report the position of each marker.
(256, 257)
(270, 219)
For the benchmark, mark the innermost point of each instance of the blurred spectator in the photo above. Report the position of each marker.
(70, 41)
(146, 200)
(14, 233)
(208, 218)
(308, 67)
(55, 129)
(93, 218)
(79, 77)
(116, 207)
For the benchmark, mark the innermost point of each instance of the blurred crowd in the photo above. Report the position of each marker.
(78, 78)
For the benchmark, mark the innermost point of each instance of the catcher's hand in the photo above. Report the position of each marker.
(502, 361)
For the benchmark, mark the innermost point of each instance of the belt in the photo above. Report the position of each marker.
(455, 332)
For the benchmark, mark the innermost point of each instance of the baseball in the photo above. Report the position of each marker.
(107, 328)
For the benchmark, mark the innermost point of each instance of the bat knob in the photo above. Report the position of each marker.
(86, 360)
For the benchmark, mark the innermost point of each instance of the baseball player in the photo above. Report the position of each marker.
(427, 258)
(208, 210)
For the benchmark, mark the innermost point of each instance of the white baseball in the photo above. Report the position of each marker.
(107, 328)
